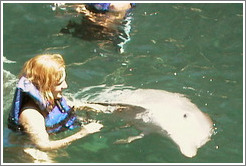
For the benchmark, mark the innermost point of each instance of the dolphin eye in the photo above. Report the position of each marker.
(185, 116)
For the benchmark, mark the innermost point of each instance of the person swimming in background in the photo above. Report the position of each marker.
(39, 108)
(107, 22)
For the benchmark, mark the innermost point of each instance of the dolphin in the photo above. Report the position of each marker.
(173, 114)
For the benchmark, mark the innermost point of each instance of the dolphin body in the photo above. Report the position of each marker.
(172, 113)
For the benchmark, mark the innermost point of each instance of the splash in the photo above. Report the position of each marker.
(5, 60)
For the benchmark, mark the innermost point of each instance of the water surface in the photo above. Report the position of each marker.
(193, 49)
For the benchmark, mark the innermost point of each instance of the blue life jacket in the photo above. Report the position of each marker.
(60, 118)
(101, 7)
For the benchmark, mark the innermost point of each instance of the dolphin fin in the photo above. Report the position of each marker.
(129, 139)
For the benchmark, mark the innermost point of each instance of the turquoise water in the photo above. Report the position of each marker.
(193, 49)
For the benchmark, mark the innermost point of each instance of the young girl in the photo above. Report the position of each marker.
(39, 108)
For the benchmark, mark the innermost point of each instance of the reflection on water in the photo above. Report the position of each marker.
(110, 28)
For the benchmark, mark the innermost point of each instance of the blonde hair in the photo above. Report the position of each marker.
(44, 71)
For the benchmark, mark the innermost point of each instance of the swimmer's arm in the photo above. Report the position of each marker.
(88, 106)
(34, 125)
(101, 107)
(95, 107)
(91, 107)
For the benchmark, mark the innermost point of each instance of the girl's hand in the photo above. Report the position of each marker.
(87, 129)
(93, 127)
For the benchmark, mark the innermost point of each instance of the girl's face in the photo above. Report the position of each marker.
(62, 84)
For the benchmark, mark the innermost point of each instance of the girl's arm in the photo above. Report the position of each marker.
(34, 124)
